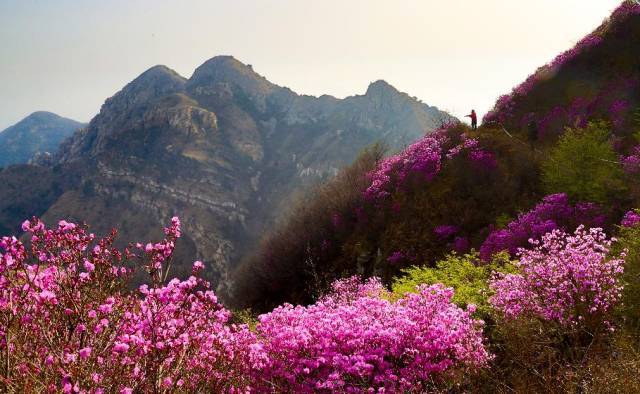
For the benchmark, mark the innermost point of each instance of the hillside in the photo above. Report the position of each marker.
(459, 190)
(40, 133)
(225, 150)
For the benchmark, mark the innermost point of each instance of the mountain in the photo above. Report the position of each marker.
(225, 150)
(458, 190)
(39, 133)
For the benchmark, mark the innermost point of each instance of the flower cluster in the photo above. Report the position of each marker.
(631, 163)
(566, 278)
(480, 158)
(467, 143)
(553, 212)
(422, 157)
(398, 257)
(354, 340)
(626, 9)
(631, 219)
(445, 231)
(483, 160)
(68, 322)
(617, 112)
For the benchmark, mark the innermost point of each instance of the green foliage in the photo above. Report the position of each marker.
(464, 273)
(584, 165)
(503, 220)
(629, 240)
(245, 316)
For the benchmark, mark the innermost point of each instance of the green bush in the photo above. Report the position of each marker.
(466, 274)
(584, 165)
(629, 239)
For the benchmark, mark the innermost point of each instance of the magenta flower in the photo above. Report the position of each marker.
(353, 339)
(631, 219)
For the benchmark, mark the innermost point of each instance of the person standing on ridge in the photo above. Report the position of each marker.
(474, 119)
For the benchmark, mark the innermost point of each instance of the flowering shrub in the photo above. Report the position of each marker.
(483, 160)
(467, 143)
(67, 322)
(355, 340)
(445, 231)
(631, 163)
(422, 157)
(553, 212)
(461, 245)
(505, 104)
(631, 219)
(566, 278)
(398, 257)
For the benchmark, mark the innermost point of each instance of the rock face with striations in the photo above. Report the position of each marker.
(225, 150)
(38, 134)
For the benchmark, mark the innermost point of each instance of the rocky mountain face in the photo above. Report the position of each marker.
(39, 134)
(225, 150)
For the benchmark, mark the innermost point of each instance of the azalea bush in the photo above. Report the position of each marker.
(355, 340)
(68, 322)
(568, 279)
(423, 157)
(555, 211)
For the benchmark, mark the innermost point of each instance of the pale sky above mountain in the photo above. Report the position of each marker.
(68, 56)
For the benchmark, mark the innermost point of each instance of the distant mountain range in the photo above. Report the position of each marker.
(38, 134)
(225, 150)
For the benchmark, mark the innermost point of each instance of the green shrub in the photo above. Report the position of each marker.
(466, 274)
(584, 165)
(629, 239)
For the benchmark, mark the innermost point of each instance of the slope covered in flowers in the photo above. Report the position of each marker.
(68, 323)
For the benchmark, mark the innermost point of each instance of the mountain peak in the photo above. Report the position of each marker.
(157, 75)
(227, 69)
(40, 132)
(379, 87)
(42, 115)
(158, 81)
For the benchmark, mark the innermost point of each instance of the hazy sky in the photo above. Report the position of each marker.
(69, 56)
